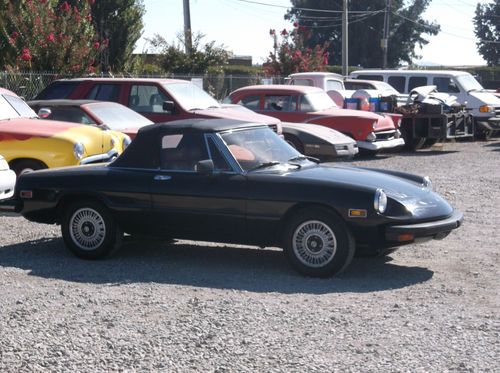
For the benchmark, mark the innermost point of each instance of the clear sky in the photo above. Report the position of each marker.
(243, 27)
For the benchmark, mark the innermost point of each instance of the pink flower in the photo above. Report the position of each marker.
(65, 7)
(295, 24)
(14, 35)
(26, 56)
(97, 45)
(51, 38)
(284, 32)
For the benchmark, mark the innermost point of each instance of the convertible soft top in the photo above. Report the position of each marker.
(144, 151)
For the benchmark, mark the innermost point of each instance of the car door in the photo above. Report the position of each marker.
(193, 204)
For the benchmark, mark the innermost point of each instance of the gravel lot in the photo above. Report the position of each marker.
(203, 307)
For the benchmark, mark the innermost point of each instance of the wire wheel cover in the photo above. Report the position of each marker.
(87, 229)
(314, 243)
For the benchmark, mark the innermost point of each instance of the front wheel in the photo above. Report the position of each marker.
(89, 230)
(318, 243)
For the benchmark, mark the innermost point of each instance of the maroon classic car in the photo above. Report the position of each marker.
(159, 100)
(303, 104)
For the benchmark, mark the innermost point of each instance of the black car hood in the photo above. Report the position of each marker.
(420, 201)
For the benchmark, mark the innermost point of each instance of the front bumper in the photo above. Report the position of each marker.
(381, 144)
(7, 183)
(100, 158)
(11, 205)
(347, 150)
(433, 229)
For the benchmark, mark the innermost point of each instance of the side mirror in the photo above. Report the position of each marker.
(168, 106)
(205, 167)
(44, 113)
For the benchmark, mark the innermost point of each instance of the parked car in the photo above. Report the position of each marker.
(159, 100)
(236, 182)
(321, 142)
(7, 180)
(289, 103)
(483, 105)
(29, 143)
(106, 115)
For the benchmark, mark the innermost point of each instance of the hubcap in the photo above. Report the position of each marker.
(87, 229)
(314, 243)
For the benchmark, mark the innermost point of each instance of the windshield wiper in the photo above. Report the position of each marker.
(265, 165)
(304, 157)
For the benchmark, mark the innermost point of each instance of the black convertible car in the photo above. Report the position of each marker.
(237, 182)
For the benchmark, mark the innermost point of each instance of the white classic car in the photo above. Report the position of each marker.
(7, 180)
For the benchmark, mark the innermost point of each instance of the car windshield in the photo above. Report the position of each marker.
(316, 101)
(118, 117)
(190, 96)
(260, 148)
(12, 107)
(469, 83)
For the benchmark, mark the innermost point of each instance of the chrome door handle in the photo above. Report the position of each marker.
(162, 177)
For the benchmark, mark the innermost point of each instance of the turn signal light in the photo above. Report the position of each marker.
(26, 194)
(406, 237)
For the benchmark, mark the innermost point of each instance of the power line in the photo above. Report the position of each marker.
(308, 9)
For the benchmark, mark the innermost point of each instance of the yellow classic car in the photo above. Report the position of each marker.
(29, 143)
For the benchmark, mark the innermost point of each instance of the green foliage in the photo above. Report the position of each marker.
(203, 58)
(45, 36)
(365, 29)
(292, 54)
(487, 30)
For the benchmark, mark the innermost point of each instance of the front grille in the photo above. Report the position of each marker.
(497, 111)
(385, 135)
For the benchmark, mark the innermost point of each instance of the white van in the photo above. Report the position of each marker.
(483, 105)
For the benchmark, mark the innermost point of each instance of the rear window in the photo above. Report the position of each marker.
(57, 90)
(105, 92)
(398, 82)
(370, 77)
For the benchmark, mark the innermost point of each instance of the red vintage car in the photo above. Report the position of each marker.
(303, 104)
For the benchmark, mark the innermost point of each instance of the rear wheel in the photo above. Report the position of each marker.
(89, 230)
(26, 165)
(318, 243)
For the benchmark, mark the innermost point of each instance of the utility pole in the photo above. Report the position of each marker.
(345, 39)
(188, 40)
(384, 43)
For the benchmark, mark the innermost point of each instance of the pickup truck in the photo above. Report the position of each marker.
(419, 127)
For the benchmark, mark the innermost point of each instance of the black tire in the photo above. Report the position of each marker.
(26, 165)
(295, 142)
(429, 143)
(318, 243)
(89, 231)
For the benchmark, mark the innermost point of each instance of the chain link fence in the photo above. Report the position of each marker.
(29, 84)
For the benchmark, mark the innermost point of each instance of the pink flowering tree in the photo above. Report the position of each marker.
(290, 55)
(46, 35)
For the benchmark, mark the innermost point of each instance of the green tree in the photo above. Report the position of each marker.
(203, 58)
(366, 20)
(120, 23)
(291, 55)
(487, 29)
(46, 36)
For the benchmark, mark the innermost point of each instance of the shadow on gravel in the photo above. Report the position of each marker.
(223, 267)
(427, 153)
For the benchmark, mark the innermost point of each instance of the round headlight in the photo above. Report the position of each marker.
(126, 142)
(427, 183)
(380, 201)
(78, 150)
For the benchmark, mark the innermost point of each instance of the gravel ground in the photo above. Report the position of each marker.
(433, 307)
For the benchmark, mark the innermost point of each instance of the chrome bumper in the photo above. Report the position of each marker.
(381, 144)
(100, 158)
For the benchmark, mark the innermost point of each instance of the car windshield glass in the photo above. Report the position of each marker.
(258, 148)
(14, 107)
(118, 117)
(317, 101)
(468, 82)
(190, 97)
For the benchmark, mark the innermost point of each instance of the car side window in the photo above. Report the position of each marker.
(370, 77)
(146, 99)
(333, 85)
(250, 102)
(220, 162)
(69, 114)
(398, 82)
(280, 103)
(105, 92)
(355, 86)
(416, 81)
(182, 151)
(57, 90)
(445, 85)
(303, 81)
